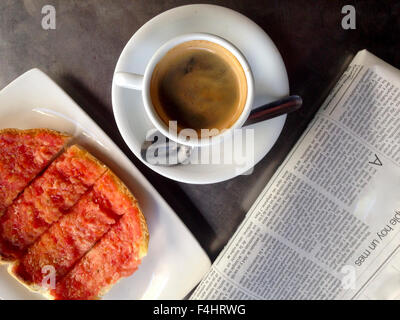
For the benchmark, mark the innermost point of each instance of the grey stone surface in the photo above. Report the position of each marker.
(81, 54)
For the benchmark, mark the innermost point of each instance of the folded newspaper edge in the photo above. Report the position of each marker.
(327, 225)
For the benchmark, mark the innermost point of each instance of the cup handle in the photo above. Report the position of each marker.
(129, 80)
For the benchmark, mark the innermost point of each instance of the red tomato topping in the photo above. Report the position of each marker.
(23, 155)
(115, 256)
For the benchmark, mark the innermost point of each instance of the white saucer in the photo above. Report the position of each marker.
(271, 82)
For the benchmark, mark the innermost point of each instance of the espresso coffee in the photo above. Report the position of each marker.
(199, 84)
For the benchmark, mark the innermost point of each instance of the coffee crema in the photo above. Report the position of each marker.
(199, 84)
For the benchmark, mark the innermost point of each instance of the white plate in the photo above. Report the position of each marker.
(270, 75)
(175, 262)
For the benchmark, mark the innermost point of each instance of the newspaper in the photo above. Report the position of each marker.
(327, 225)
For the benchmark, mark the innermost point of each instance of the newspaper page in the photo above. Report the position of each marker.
(327, 225)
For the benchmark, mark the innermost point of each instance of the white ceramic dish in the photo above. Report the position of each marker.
(175, 262)
(269, 71)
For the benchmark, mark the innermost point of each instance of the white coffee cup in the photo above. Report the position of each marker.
(142, 82)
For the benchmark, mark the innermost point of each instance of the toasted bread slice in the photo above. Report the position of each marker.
(23, 155)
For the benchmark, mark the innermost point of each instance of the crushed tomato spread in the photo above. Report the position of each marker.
(46, 200)
(23, 155)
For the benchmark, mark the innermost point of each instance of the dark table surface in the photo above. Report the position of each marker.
(80, 55)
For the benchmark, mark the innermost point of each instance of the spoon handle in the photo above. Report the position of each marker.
(274, 109)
